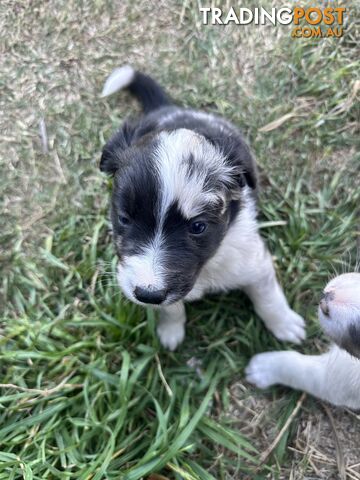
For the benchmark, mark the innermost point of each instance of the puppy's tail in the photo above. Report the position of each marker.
(143, 87)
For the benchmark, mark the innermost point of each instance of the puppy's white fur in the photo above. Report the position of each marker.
(333, 376)
(171, 325)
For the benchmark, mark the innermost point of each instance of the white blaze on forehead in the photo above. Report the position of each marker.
(189, 189)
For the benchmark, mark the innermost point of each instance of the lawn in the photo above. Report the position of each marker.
(86, 390)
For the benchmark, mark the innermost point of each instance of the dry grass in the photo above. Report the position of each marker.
(70, 347)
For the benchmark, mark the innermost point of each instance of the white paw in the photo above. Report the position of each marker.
(263, 369)
(171, 334)
(291, 328)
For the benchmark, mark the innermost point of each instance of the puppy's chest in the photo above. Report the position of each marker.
(235, 265)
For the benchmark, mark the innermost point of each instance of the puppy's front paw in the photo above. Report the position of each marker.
(263, 369)
(290, 328)
(171, 334)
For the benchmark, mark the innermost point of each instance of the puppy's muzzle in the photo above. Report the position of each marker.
(149, 295)
(324, 302)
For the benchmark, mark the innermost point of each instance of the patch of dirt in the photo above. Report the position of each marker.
(316, 442)
(312, 451)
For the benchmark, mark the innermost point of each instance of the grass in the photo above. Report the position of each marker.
(86, 390)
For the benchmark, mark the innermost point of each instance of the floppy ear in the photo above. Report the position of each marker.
(238, 155)
(131, 131)
(112, 152)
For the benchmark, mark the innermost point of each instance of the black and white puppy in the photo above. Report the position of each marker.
(183, 211)
(335, 375)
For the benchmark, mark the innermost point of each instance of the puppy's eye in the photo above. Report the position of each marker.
(196, 228)
(124, 220)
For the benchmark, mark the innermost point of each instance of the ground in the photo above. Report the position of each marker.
(87, 392)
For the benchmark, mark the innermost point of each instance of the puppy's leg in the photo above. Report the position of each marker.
(333, 376)
(171, 325)
(271, 305)
(302, 372)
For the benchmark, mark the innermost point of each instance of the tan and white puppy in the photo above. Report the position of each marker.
(335, 375)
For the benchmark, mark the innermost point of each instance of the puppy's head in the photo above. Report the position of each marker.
(174, 196)
(339, 311)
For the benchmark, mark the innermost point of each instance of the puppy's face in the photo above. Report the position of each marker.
(172, 203)
(339, 311)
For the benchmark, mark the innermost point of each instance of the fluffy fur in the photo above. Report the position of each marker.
(183, 211)
(335, 375)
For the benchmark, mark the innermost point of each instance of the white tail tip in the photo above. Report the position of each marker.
(119, 78)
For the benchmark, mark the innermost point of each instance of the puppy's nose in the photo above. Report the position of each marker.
(148, 295)
(324, 302)
(324, 306)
